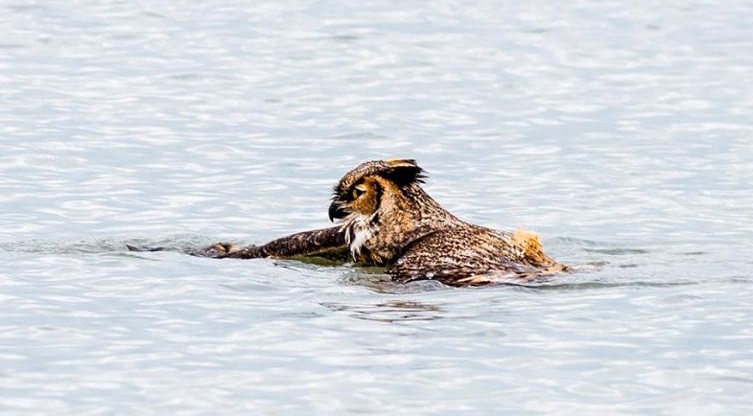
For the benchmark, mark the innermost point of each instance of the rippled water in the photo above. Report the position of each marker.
(619, 131)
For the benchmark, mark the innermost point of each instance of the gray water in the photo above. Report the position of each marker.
(620, 131)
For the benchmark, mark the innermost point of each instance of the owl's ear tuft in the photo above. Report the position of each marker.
(403, 171)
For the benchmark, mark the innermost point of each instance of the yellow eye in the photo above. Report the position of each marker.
(358, 191)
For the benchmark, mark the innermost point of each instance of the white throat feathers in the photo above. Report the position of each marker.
(358, 230)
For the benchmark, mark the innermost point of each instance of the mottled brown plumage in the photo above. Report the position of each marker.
(326, 242)
(389, 220)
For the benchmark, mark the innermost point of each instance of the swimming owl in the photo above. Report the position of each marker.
(385, 218)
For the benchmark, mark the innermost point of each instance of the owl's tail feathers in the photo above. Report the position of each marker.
(529, 242)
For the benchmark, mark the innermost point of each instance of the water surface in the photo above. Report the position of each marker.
(620, 132)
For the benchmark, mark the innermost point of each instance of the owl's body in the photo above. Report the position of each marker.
(387, 219)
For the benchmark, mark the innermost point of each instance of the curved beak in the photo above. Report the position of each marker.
(335, 211)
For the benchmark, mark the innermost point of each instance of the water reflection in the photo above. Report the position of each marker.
(390, 311)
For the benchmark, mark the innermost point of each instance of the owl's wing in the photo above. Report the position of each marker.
(327, 243)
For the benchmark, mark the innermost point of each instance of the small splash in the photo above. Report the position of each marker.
(590, 285)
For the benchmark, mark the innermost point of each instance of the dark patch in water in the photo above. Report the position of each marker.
(391, 311)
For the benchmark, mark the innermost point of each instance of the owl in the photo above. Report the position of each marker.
(385, 218)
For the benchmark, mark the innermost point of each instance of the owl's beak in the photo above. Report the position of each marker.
(336, 212)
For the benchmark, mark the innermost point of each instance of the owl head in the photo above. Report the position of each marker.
(361, 191)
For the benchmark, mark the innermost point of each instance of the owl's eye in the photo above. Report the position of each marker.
(358, 191)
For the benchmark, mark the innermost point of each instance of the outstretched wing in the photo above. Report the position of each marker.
(327, 242)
